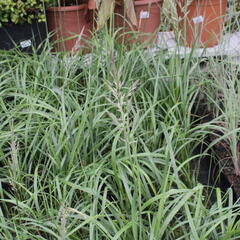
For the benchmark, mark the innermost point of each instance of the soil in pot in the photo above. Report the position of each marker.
(210, 174)
(213, 167)
(148, 21)
(71, 27)
(201, 22)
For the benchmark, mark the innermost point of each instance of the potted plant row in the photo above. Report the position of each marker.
(200, 21)
(71, 22)
(22, 24)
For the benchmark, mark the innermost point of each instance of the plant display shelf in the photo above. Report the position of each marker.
(229, 46)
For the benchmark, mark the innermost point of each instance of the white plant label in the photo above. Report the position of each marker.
(26, 43)
(144, 14)
(198, 19)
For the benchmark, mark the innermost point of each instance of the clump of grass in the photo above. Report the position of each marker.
(102, 149)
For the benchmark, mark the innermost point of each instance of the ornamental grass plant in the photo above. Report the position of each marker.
(101, 148)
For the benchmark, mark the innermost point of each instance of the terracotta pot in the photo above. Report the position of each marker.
(148, 21)
(201, 22)
(92, 4)
(68, 22)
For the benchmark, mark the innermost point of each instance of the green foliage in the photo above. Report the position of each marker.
(21, 11)
(101, 150)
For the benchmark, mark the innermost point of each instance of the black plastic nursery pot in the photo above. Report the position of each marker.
(24, 36)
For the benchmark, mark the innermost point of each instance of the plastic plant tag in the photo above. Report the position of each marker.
(26, 43)
(144, 14)
(198, 19)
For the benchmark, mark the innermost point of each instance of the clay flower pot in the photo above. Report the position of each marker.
(201, 22)
(71, 27)
(148, 21)
(92, 4)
